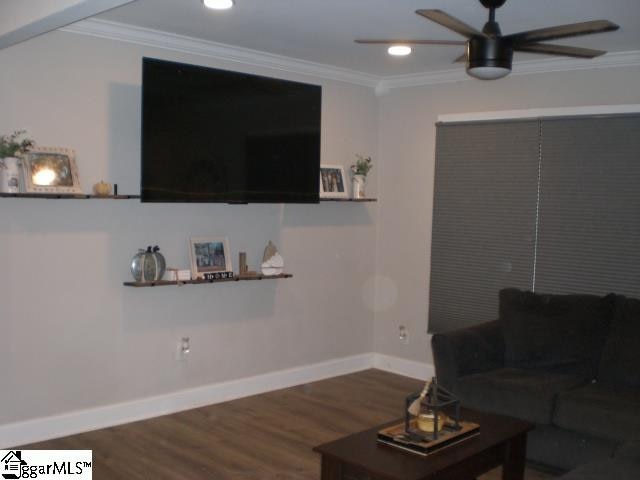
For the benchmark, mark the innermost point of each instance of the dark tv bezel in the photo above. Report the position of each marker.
(281, 196)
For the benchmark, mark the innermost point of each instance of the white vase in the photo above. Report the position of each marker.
(358, 183)
(9, 175)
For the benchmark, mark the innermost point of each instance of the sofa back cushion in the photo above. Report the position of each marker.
(620, 362)
(542, 331)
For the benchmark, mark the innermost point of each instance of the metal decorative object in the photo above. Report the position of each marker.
(148, 265)
(433, 399)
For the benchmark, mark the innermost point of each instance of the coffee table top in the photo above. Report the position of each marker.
(362, 449)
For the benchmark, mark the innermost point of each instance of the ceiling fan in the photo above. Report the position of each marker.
(489, 53)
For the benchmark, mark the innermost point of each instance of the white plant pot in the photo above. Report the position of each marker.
(358, 184)
(9, 175)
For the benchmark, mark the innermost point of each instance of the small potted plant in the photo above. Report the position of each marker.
(359, 171)
(11, 146)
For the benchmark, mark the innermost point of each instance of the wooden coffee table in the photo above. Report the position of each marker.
(502, 441)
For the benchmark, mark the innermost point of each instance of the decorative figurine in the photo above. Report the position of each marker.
(102, 189)
(272, 261)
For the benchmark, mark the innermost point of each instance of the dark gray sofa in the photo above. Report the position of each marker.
(569, 363)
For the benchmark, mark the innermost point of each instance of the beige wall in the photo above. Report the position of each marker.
(73, 337)
(406, 146)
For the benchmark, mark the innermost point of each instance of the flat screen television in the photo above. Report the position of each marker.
(211, 135)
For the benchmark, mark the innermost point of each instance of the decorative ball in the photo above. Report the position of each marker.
(148, 265)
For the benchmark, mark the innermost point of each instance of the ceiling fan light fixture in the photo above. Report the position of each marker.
(218, 4)
(489, 54)
(489, 58)
(488, 73)
(399, 50)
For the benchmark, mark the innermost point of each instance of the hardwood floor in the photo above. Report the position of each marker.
(264, 437)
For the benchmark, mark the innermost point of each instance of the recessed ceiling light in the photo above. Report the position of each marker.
(218, 4)
(399, 50)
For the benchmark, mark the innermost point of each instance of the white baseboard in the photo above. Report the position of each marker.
(41, 429)
(401, 366)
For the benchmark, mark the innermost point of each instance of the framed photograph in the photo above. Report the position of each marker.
(209, 255)
(50, 170)
(332, 182)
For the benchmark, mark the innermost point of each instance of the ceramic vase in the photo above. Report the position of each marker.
(358, 184)
(9, 175)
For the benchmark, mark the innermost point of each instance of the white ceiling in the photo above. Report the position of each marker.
(323, 31)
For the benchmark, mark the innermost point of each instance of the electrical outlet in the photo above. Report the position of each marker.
(403, 334)
(183, 349)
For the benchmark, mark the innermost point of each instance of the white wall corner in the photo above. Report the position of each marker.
(402, 366)
(381, 88)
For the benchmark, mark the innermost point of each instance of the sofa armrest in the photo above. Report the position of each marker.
(469, 350)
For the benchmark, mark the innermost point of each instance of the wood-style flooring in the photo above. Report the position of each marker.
(264, 437)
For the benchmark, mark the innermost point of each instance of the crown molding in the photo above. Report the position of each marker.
(382, 85)
(610, 60)
(219, 51)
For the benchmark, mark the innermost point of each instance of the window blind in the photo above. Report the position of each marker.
(486, 184)
(589, 224)
(551, 205)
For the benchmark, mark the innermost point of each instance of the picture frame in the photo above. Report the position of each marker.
(50, 170)
(209, 255)
(333, 182)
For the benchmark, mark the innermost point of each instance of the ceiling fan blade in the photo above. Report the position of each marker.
(550, 49)
(410, 42)
(461, 59)
(452, 23)
(561, 31)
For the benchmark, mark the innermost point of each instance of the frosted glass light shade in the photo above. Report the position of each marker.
(488, 73)
(218, 4)
(399, 50)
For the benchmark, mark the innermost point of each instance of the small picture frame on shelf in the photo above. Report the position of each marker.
(50, 170)
(332, 182)
(209, 255)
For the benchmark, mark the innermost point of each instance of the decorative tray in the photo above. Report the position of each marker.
(397, 436)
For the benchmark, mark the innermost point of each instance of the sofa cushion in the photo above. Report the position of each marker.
(550, 330)
(522, 393)
(610, 469)
(620, 362)
(629, 451)
(600, 410)
(564, 449)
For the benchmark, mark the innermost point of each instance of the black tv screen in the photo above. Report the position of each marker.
(211, 135)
